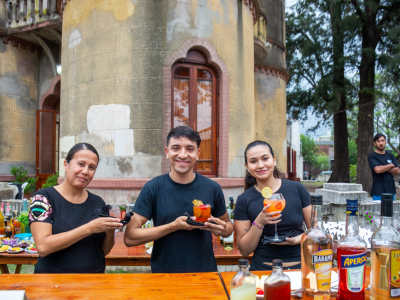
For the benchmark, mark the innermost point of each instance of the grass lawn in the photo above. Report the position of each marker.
(26, 269)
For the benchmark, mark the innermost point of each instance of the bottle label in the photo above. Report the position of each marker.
(355, 266)
(394, 273)
(322, 261)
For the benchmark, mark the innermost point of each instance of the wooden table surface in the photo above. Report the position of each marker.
(227, 277)
(121, 255)
(116, 286)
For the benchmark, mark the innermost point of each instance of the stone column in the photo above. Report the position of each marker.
(270, 84)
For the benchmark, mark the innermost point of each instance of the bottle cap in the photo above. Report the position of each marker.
(352, 207)
(277, 263)
(243, 262)
(316, 199)
(386, 205)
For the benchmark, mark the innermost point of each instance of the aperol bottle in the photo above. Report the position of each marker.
(277, 285)
(352, 257)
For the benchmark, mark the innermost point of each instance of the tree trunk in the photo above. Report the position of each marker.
(340, 172)
(366, 96)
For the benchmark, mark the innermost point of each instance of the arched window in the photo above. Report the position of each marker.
(194, 103)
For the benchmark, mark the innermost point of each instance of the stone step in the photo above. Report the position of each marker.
(343, 187)
(339, 197)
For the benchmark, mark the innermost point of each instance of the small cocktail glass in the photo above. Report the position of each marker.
(202, 212)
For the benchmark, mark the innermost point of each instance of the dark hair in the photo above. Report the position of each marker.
(184, 131)
(79, 147)
(249, 180)
(378, 136)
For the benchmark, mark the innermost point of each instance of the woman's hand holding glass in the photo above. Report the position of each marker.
(267, 218)
(104, 224)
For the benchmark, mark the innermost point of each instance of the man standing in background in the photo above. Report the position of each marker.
(383, 165)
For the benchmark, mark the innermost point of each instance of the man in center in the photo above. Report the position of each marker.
(178, 246)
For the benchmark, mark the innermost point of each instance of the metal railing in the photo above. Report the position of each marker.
(30, 12)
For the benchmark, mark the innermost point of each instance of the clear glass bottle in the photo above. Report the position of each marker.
(228, 241)
(385, 255)
(243, 284)
(316, 256)
(351, 257)
(277, 285)
(2, 231)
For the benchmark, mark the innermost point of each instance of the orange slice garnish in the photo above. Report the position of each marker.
(197, 202)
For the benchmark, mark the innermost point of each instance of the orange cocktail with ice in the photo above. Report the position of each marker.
(277, 202)
(201, 211)
(276, 205)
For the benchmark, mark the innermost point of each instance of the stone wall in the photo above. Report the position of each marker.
(19, 70)
(111, 93)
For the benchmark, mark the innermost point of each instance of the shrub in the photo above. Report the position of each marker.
(52, 180)
(21, 176)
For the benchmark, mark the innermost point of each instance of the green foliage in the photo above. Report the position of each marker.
(21, 176)
(52, 180)
(24, 218)
(308, 150)
(352, 152)
(322, 162)
(353, 173)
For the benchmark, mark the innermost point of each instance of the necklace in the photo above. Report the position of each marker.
(273, 189)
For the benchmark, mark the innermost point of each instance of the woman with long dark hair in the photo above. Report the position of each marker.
(254, 225)
(68, 237)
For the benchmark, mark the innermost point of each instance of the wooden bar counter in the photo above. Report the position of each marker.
(116, 286)
(121, 255)
(227, 277)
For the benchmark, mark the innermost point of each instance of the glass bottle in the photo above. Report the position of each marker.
(277, 285)
(243, 284)
(1, 223)
(228, 241)
(232, 207)
(351, 257)
(16, 223)
(385, 255)
(316, 256)
(24, 218)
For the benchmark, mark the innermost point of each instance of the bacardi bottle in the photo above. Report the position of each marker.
(351, 257)
(385, 255)
(316, 256)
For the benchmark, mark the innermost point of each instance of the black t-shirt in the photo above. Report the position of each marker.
(182, 251)
(250, 204)
(383, 182)
(86, 255)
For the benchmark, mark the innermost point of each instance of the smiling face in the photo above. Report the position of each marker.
(80, 170)
(260, 162)
(380, 144)
(182, 154)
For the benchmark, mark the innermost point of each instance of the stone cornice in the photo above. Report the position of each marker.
(254, 7)
(23, 44)
(276, 42)
(273, 70)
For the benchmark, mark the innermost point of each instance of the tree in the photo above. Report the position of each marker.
(316, 35)
(352, 152)
(322, 161)
(379, 20)
(308, 150)
(387, 111)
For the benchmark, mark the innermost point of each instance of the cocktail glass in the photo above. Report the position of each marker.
(202, 212)
(278, 203)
